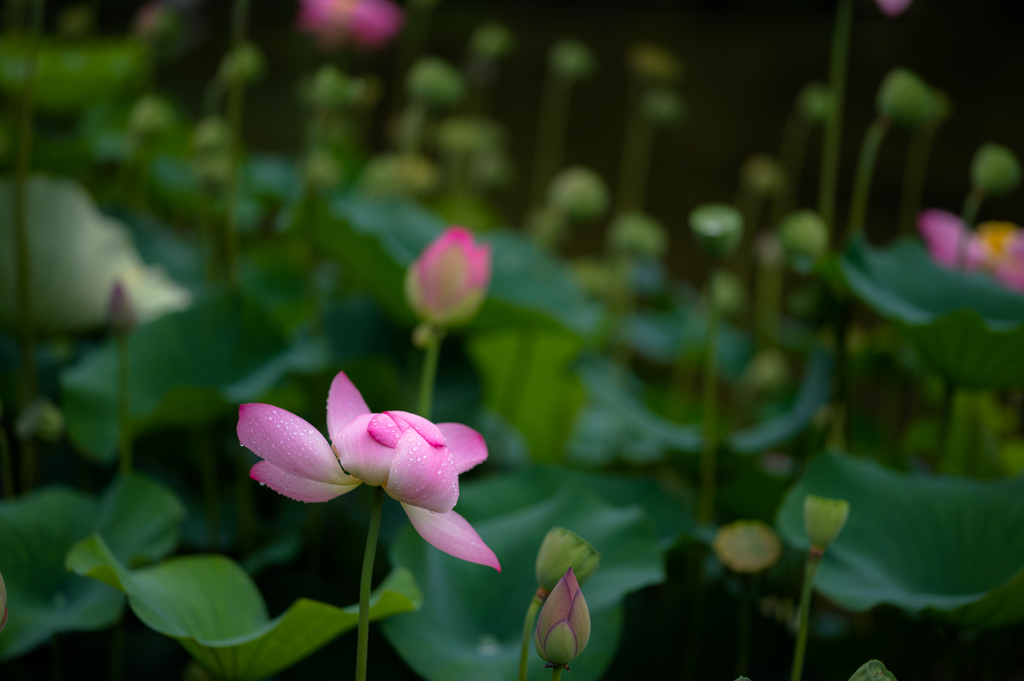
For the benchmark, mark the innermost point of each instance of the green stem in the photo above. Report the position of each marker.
(914, 174)
(792, 154)
(706, 503)
(123, 408)
(865, 170)
(769, 302)
(524, 651)
(429, 374)
(236, 105)
(29, 383)
(414, 120)
(636, 162)
(364, 583)
(972, 204)
(839, 422)
(550, 150)
(834, 121)
(810, 570)
(556, 673)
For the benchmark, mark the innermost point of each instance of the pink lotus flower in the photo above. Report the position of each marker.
(893, 8)
(417, 462)
(996, 247)
(367, 24)
(448, 282)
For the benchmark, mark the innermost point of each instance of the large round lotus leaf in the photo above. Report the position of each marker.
(953, 547)
(213, 608)
(471, 623)
(71, 77)
(76, 256)
(966, 325)
(138, 516)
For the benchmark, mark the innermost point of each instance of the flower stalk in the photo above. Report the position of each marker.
(124, 444)
(810, 570)
(829, 180)
(528, 623)
(865, 171)
(364, 583)
(706, 502)
(914, 175)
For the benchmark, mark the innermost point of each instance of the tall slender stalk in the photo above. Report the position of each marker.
(706, 502)
(972, 204)
(556, 674)
(810, 570)
(865, 171)
(769, 302)
(236, 104)
(528, 625)
(914, 174)
(429, 374)
(792, 153)
(550, 150)
(636, 162)
(364, 583)
(123, 406)
(834, 122)
(29, 383)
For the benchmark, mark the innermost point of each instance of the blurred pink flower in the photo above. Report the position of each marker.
(417, 462)
(893, 8)
(367, 24)
(150, 20)
(448, 282)
(996, 247)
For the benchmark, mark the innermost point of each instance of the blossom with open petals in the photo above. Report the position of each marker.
(995, 247)
(369, 24)
(417, 462)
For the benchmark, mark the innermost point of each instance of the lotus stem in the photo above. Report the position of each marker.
(123, 406)
(636, 163)
(556, 674)
(429, 374)
(29, 384)
(792, 153)
(769, 302)
(834, 121)
(865, 171)
(914, 175)
(706, 503)
(810, 570)
(364, 582)
(551, 125)
(972, 204)
(528, 623)
(236, 105)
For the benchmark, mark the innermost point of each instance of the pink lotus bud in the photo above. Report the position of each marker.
(448, 282)
(120, 312)
(367, 24)
(893, 8)
(563, 627)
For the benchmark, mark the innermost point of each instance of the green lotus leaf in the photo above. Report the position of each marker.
(212, 607)
(138, 516)
(965, 325)
(951, 547)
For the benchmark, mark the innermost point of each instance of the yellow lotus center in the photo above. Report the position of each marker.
(997, 238)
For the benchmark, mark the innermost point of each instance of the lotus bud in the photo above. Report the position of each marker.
(995, 170)
(571, 60)
(435, 82)
(3, 603)
(149, 117)
(804, 235)
(563, 550)
(322, 170)
(242, 65)
(873, 670)
(563, 626)
(491, 41)
(768, 371)
(448, 282)
(120, 311)
(211, 146)
(468, 134)
(769, 250)
(654, 64)
(824, 519)
(579, 192)
(329, 89)
(762, 175)
(42, 420)
(636, 234)
(813, 102)
(662, 106)
(717, 227)
(747, 546)
(905, 99)
(398, 175)
(727, 293)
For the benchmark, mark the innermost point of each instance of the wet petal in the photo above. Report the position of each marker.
(344, 403)
(294, 487)
(451, 533)
(386, 430)
(466, 445)
(362, 455)
(431, 433)
(288, 442)
(423, 475)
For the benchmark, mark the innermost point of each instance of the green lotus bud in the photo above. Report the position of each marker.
(468, 134)
(563, 626)
(329, 88)
(490, 168)
(398, 175)
(243, 64)
(491, 40)
(747, 546)
(211, 135)
(768, 371)
(873, 670)
(717, 227)
(579, 192)
(563, 550)
(434, 81)
(727, 293)
(824, 519)
(42, 420)
(995, 170)
(804, 234)
(149, 117)
(571, 60)
(905, 99)
(662, 106)
(813, 102)
(321, 170)
(763, 176)
(654, 64)
(636, 234)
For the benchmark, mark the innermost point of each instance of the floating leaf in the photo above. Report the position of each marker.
(965, 324)
(953, 547)
(471, 623)
(213, 608)
(138, 516)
